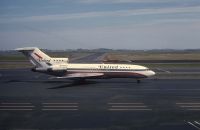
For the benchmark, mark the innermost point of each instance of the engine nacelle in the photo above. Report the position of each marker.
(39, 69)
(57, 68)
(33, 69)
(61, 68)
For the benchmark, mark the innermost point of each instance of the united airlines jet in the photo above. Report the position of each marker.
(61, 68)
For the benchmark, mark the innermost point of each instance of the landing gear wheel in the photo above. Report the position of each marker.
(138, 81)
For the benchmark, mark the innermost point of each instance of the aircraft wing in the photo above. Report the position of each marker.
(81, 75)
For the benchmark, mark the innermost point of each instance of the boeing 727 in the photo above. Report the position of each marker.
(61, 68)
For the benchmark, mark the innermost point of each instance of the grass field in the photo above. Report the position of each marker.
(133, 56)
(177, 59)
(171, 65)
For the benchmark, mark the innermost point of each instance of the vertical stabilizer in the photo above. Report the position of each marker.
(36, 56)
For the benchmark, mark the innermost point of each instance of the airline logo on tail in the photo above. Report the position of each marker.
(38, 56)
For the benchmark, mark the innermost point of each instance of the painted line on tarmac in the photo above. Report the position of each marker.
(166, 71)
(59, 109)
(197, 122)
(190, 106)
(190, 103)
(193, 125)
(180, 89)
(14, 106)
(129, 109)
(160, 89)
(17, 106)
(166, 89)
(14, 103)
(58, 103)
(60, 106)
(16, 109)
(131, 106)
(137, 106)
(125, 103)
(193, 109)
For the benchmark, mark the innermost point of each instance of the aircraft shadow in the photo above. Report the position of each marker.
(65, 85)
(74, 84)
(34, 81)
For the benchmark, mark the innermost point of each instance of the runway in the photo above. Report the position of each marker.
(30, 100)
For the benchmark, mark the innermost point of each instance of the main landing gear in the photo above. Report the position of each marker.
(138, 81)
(80, 81)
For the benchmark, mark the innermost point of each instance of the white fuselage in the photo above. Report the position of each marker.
(108, 70)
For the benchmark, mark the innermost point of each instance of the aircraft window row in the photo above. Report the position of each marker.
(46, 60)
(54, 60)
(111, 69)
(125, 67)
(58, 60)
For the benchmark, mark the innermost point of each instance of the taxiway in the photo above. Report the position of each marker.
(30, 100)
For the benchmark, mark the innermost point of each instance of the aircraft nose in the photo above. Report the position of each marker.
(151, 73)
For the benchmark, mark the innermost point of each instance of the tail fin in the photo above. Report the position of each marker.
(36, 56)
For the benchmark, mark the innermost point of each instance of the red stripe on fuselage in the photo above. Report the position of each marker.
(124, 74)
(38, 55)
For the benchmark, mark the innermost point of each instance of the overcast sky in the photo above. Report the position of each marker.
(115, 24)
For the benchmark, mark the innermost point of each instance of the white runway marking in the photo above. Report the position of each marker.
(130, 109)
(16, 109)
(17, 106)
(193, 125)
(193, 109)
(14, 106)
(197, 122)
(190, 106)
(166, 71)
(60, 106)
(181, 89)
(188, 103)
(161, 89)
(58, 103)
(14, 103)
(126, 103)
(59, 109)
(128, 106)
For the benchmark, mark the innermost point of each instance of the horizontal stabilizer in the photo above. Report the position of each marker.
(26, 49)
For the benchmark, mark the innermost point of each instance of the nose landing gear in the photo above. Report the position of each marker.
(138, 81)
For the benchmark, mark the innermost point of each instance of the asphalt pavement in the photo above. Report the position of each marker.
(30, 101)
(34, 101)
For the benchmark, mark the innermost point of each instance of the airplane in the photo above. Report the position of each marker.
(61, 68)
